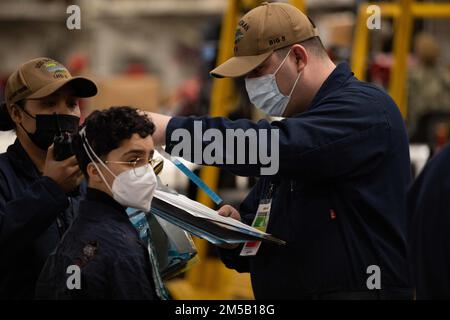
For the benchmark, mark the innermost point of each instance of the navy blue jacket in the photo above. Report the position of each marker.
(102, 241)
(339, 196)
(429, 228)
(34, 213)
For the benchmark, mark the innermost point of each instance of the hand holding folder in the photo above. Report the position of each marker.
(204, 222)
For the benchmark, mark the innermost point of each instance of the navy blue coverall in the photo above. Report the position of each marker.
(339, 197)
(34, 214)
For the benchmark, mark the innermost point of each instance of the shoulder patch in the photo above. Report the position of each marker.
(88, 253)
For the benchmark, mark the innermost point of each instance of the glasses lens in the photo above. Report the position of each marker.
(140, 167)
(157, 164)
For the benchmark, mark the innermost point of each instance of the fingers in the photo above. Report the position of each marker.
(161, 122)
(73, 171)
(78, 173)
(74, 179)
(79, 178)
(71, 161)
(229, 211)
(50, 152)
(225, 211)
(235, 215)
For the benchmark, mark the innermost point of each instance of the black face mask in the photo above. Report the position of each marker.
(49, 125)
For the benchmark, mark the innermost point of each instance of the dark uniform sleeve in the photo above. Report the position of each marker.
(24, 218)
(326, 142)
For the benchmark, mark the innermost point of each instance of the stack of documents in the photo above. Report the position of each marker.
(204, 222)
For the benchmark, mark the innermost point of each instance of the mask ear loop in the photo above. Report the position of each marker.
(295, 83)
(28, 114)
(85, 143)
(282, 62)
(279, 67)
(298, 77)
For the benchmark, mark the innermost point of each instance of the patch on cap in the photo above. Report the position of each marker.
(238, 36)
(242, 28)
(261, 31)
(57, 70)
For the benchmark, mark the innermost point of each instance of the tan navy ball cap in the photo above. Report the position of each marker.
(260, 32)
(41, 77)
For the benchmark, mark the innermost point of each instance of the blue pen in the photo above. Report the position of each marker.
(192, 176)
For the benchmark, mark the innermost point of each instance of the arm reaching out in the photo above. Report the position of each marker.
(160, 121)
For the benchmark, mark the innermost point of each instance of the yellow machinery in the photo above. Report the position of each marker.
(403, 12)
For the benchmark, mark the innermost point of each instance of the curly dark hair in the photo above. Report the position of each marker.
(106, 129)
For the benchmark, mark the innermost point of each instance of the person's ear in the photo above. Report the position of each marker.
(16, 114)
(93, 173)
(301, 56)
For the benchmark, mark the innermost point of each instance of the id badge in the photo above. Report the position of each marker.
(259, 222)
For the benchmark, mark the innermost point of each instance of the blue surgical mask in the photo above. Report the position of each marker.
(264, 92)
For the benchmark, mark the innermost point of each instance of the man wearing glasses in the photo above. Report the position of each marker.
(103, 256)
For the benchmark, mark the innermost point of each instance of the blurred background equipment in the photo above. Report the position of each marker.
(157, 54)
(418, 80)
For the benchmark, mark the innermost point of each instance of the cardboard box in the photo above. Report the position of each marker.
(140, 91)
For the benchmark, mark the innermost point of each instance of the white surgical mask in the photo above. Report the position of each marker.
(264, 92)
(131, 188)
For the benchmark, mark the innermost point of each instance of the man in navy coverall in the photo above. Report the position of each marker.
(338, 198)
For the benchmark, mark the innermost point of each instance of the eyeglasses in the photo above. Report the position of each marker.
(156, 164)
